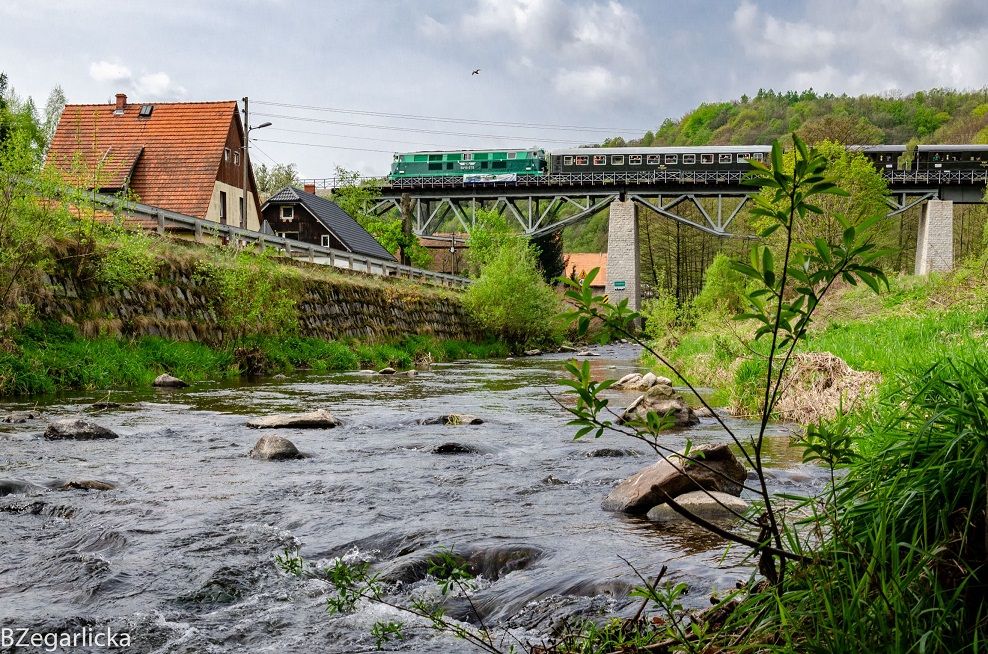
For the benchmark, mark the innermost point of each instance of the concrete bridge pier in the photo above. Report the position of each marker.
(935, 242)
(622, 254)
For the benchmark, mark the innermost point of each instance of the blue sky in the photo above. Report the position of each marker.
(620, 65)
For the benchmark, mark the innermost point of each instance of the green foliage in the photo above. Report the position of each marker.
(255, 294)
(290, 562)
(489, 235)
(271, 180)
(354, 195)
(723, 288)
(661, 314)
(510, 297)
(127, 258)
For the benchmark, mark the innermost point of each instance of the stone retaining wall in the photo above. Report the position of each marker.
(179, 305)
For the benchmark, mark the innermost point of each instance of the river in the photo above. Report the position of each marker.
(180, 555)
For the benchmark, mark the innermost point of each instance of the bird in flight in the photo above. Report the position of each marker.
(476, 72)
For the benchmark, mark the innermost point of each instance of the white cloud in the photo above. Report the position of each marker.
(592, 84)
(148, 85)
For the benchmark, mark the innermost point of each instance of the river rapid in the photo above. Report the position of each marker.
(180, 554)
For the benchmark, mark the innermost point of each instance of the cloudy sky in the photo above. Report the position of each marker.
(347, 82)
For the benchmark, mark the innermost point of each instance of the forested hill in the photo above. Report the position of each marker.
(934, 116)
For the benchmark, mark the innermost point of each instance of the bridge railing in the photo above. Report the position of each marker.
(164, 220)
(702, 177)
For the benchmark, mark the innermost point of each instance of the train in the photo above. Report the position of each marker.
(480, 166)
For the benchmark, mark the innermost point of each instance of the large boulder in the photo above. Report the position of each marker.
(452, 419)
(274, 448)
(637, 382)
(318, 419)
(454, 448)
(720, 471)
(77, 429)
(167, 381)
(664, 401)
(85, 484)
(715, 506)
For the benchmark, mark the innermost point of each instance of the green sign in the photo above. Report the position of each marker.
(619, 285)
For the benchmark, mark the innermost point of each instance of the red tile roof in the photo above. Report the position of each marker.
(172, 157)
(578, 264)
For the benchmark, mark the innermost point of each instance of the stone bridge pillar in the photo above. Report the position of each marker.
(935, 242)
(622, 254)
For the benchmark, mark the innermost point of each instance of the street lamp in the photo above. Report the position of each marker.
(247, 130)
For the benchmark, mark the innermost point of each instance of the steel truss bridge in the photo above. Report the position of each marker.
(537, 203)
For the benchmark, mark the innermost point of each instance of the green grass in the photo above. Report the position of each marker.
(47, 358)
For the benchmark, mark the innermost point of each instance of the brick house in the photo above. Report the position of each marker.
(186, 157)
(302, 215)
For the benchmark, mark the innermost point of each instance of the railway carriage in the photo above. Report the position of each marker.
(727, 158)
(464, 163)
(926, 158)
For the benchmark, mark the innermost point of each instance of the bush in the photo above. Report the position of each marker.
(511, 299)
(723, 288)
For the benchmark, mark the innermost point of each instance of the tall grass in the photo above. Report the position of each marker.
(44, 358)
(903, 565)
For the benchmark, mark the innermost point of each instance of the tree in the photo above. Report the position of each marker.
(271, 180)
(550, 255)
(53, 112)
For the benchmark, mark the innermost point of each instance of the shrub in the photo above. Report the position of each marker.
(511, 299)
(723, 288)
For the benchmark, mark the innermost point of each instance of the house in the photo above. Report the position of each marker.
(578, 264)
(448, 251)
(302, 215)
(186, 157)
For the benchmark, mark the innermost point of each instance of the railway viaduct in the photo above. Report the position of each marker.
(718, 197)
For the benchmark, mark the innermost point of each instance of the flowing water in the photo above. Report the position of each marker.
(180, 555)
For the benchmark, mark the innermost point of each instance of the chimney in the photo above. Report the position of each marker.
(309, 188)
(121, 103)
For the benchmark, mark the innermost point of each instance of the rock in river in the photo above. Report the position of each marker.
(318, 419)
(664, 401)
(452, 419)
(20, 417)
(274, 448)
(720, 471)
(715, 506)
(386, 371)
(85, 484)
(167, 381)
(76, 429)
(454, 448)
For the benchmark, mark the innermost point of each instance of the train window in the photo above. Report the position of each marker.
(617, 159)
(652, 160)
(672, 158)
(635, 159)
(511, 155)
(437, 165)
(689, 158)
(758, 156)
(600, 160)
(568, 160)
(725, 158)
(449, 165)
(435, 157)
(743, 157)
(467, 156)
(582, 160)
(706, 158)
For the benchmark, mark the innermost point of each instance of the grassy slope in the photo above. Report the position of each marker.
(903, 332)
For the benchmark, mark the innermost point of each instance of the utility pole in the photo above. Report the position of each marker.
(243, 210)
(406, 229)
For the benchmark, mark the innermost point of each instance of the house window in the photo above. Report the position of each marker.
(226, 154)
(706, 158)
(236, 158)
(568, 160)
(325, 241)
(725, 157)
(672, 158)
(653, 160)
(635, 160)
(287, 214)
(223, 214)
(600, 160)
(582, 160)
(291, 235)
(617, 159)
(689, 158)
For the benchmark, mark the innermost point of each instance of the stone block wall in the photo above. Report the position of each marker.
(180, 305)
(935, 241)
(622, 253)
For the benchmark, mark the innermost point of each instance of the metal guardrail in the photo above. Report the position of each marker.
(295, 249)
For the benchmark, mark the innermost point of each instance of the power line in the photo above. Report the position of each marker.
(465, 121)
(321, 145)
(358, 138)
(415, 129)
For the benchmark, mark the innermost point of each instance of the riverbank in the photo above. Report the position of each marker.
(886, 339)
(46, 358)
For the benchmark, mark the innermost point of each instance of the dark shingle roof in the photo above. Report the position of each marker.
(354, 237)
